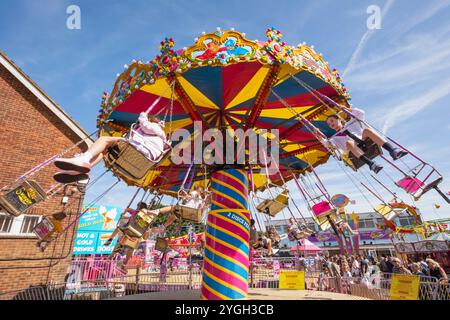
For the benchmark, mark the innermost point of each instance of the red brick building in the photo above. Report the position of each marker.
(33, 128)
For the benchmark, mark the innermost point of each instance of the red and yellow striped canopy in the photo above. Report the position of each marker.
(227, 81)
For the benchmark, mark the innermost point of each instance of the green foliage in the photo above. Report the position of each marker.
(179, 227)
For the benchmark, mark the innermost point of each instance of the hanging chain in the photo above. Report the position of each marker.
(311, 128)
(43, 164)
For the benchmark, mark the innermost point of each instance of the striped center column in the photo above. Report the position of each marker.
(226, 255)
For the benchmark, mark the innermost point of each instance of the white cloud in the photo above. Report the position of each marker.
(415, 104)
(362, 43)
(424, 14)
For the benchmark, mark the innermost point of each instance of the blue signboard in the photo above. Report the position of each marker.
(94, 228)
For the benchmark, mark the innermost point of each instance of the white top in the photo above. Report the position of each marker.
(354, 126)
(149, 138)
(194, 200)
(355, 266)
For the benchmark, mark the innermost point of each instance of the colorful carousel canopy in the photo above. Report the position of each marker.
(226, 81)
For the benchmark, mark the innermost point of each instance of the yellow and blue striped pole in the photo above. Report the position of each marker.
(226, 255)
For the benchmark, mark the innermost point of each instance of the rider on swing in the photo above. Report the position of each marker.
(148, 138)
(142, 206)
(350, 137)
(296, 231)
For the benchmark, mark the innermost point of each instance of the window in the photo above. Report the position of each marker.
(28, 224)
(406, 221)
(5, 223)
(18, 226)
(366, 224)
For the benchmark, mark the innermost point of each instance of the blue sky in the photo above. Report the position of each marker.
(399, 74)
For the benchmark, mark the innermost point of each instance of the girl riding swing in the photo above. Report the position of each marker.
(351, 137)
(149, 138)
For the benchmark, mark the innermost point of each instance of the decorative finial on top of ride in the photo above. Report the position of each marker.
(166, 63)
(277, 48)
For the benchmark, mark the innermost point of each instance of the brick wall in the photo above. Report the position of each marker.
(30, 134)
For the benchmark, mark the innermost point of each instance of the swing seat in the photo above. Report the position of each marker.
(21, 197)
(273, 206)
(188, 213)
(161, 244)
(126, 160)
(386, 212)
(371, 151)
(130, 242)
(322, 222)
(410, 184)
(299, 235)
(322, 209)
(138, 225)
(44, 229)
(433, 185)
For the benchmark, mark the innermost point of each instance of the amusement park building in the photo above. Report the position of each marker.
(372, 240)
(33, 129)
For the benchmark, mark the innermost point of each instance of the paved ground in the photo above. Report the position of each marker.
(254, 294)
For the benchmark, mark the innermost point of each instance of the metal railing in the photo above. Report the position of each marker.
(263, 273)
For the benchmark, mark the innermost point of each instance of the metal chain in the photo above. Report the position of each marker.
(310, 127)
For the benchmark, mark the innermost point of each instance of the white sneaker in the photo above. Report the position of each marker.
(79, 163)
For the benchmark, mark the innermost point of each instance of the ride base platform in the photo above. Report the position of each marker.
(254, 294)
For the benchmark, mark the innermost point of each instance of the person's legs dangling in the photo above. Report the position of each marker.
(353, 148)
(84, 162)
(396, 153)
(111, 238)
(269, 247)
(128, 256)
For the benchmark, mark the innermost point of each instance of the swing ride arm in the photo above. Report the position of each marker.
(262, 96)
(322, 138)
(186, 101)
(299, 124)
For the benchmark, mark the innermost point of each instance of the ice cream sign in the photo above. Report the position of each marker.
(94, 228)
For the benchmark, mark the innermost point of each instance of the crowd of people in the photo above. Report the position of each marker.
(365, 266)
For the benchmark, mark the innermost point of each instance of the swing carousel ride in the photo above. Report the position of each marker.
(225, 83)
